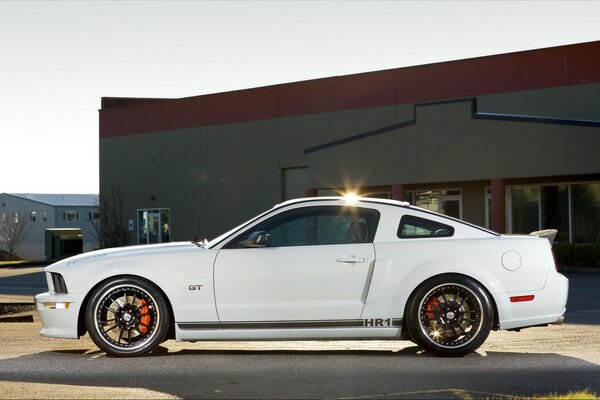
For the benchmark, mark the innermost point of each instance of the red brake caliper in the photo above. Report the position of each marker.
(145, 320)
(430, 308)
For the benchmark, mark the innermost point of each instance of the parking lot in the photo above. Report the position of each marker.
(537, 361)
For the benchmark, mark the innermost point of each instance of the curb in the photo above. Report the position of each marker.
(579, 270)
(17, 312)
(26, 264)
(26, 317)
(14, 300)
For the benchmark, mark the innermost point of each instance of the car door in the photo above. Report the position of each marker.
(315, 266)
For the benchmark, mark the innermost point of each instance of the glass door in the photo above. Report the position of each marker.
(153, 223)
(153, 226)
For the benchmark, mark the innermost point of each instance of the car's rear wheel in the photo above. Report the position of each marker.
(127, 316)
(450, 315)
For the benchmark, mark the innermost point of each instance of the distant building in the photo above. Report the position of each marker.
(510, 141)
(58, 224)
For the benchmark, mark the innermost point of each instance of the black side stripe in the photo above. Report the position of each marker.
(345, 323)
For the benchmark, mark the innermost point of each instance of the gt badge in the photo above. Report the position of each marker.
(195, 287)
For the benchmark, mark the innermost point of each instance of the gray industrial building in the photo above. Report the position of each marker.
(56, 225)
(511, 142)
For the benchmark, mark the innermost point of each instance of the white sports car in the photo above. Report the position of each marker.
(315, 268)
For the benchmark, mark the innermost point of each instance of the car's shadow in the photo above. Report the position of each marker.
(162, 351)
(306, 373)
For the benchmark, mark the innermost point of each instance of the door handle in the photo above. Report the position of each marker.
(351, 259)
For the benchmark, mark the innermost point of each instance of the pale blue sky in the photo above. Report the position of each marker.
(57, 59)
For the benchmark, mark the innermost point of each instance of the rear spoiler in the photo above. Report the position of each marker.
(549, 234)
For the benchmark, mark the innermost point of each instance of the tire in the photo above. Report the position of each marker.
(127, 316)
(450, 315)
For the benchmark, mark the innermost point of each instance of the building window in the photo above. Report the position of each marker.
(71, 216)
(154, 226)
(585, 206)
(574, 210)
(44, 216)
(94, 215)
(33, 216)
(447, 202)
(554, 210)
(525, 213)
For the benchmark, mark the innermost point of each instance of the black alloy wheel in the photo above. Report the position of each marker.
(127, 316)
(450, 315)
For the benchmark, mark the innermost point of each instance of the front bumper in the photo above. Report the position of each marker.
(59, 315)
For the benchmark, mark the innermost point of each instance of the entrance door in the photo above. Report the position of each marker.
(153, 226)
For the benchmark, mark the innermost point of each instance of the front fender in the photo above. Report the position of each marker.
(185, 276)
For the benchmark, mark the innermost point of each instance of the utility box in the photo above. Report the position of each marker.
(63, 243)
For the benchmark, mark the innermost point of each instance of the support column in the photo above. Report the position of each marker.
(311, 193)
(498, 206)
(398, 192)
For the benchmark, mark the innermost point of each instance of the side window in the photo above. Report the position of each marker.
(319, 225)
(412, 227)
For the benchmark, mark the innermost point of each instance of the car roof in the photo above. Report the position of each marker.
(344, 199)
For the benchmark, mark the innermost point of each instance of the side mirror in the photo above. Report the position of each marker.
(256, 239)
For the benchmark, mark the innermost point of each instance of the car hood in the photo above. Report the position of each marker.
(116, 252)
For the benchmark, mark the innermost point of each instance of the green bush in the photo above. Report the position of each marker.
(585, 255)
(564, 254)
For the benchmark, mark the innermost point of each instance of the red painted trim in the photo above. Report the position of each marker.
(311, 193)
(398, 192)
(487, 75)
(155, 117)
(242, 106)
(528, 70)
(337, 94)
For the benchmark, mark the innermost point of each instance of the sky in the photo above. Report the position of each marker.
(59, 58)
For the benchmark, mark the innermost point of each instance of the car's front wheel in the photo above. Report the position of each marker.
(450, 315)
(127, 316)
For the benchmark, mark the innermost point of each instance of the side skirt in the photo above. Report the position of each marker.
(290, 330)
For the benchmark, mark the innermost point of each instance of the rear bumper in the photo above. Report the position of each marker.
(548, 306)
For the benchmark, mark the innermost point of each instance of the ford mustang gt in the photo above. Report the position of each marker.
(308, 269)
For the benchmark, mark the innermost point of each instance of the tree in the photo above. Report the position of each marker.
(13, 230)
(109, 229)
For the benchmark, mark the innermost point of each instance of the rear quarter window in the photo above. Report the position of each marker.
(412, 227)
